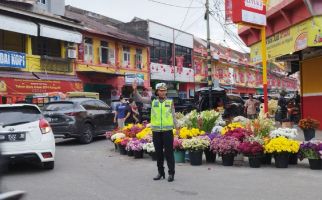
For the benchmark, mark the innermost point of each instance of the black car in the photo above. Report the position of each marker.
(233, 104)
(80, 118)
(183, 105)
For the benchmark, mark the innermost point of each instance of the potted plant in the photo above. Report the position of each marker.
(290, 133)
(117, 136)
(281, 147)
(312, 150)
(195, 146)
(308, 125)
(179, 152)
(122, 145)
(136, 146)
(239, 134)
(210, 156)
(149, 147)
(254, 151)
(226, 147)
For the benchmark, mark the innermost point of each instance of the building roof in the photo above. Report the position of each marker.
(97, 27)
(41, 16)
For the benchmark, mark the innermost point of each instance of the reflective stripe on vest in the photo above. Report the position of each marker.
(161, 115)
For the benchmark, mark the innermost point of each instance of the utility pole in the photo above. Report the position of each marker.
(209, 56)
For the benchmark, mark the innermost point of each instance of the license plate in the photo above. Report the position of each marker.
(13, 137)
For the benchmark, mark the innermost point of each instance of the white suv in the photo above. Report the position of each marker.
(25, 134)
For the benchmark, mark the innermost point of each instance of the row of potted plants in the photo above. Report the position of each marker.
(256, 139)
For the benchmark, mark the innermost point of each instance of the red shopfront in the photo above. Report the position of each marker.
(16, 89)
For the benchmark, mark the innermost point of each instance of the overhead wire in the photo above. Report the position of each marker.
(172, 5)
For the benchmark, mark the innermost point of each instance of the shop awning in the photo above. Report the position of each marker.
(18, 25)
(60, 33)
(39, 76)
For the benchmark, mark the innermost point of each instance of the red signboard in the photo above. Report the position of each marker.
(25, 86)
(246, 11)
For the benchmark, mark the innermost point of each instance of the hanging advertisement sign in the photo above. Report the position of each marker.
(246, 11)
(131, 77)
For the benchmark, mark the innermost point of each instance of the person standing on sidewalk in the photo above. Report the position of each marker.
(250, 107)
(122, 113)
(162, 123)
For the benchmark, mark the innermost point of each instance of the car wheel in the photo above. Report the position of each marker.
(48, 165)
(87, 135)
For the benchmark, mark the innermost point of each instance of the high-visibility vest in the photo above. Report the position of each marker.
(161, 115)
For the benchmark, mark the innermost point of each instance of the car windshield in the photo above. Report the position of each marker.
(26, 114)
(59, 106)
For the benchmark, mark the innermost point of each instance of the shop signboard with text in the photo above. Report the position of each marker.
(12, 59)
(26, 86)
(246, 11)
(283, 43)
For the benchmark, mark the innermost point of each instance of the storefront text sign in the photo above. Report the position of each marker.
(246, 11)
(12, 59)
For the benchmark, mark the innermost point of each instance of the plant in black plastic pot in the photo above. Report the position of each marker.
(196, 146)
(308, 125)
(312, 150)
(254, 151)
(226, 147)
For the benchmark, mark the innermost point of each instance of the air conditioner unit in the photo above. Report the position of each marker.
(71, 53)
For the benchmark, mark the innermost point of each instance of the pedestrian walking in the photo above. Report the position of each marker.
(282, 110)
(122, 113)
(250, 107)
(162, 123)
(135, 115)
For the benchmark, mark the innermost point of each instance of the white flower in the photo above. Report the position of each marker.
(149, 147)
(286, 132)
(117, 136)
(217, 129)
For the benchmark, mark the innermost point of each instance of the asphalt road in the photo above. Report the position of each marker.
(96, 172)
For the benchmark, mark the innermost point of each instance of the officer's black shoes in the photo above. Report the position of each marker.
(158, 177)
(171, 178)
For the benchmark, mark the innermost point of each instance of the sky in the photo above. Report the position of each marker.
(186, 15)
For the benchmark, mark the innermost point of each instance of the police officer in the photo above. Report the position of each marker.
(162, 123)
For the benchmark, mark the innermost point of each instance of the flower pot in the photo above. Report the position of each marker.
(281, 160)
(266, 159)
(122, 149)
(210, 156)
(116, 147)
(292, 160)
(130, 153)
(195, 157)
(239, 159)
(315, 164)
(254, 161)
(309, 134)
(138, 154)
(179, 156)
(153, 156)
(228, 159)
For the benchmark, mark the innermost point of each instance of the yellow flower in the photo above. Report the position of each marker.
(282, 144)
(144, 133)
(118, 141)
(231, 127)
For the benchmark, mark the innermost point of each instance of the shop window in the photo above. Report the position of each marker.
(107, 54)
(11, 41)
(126, 56)
(46, 47)
(186, 53)
(42, 2)
(88, 50)
(138, 59)
(161, 52)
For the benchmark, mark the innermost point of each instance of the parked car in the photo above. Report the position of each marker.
(183, 105)
(81, 118)
(234, 105)
(26, 134)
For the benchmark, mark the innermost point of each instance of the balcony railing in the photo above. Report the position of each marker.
(54, 64)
